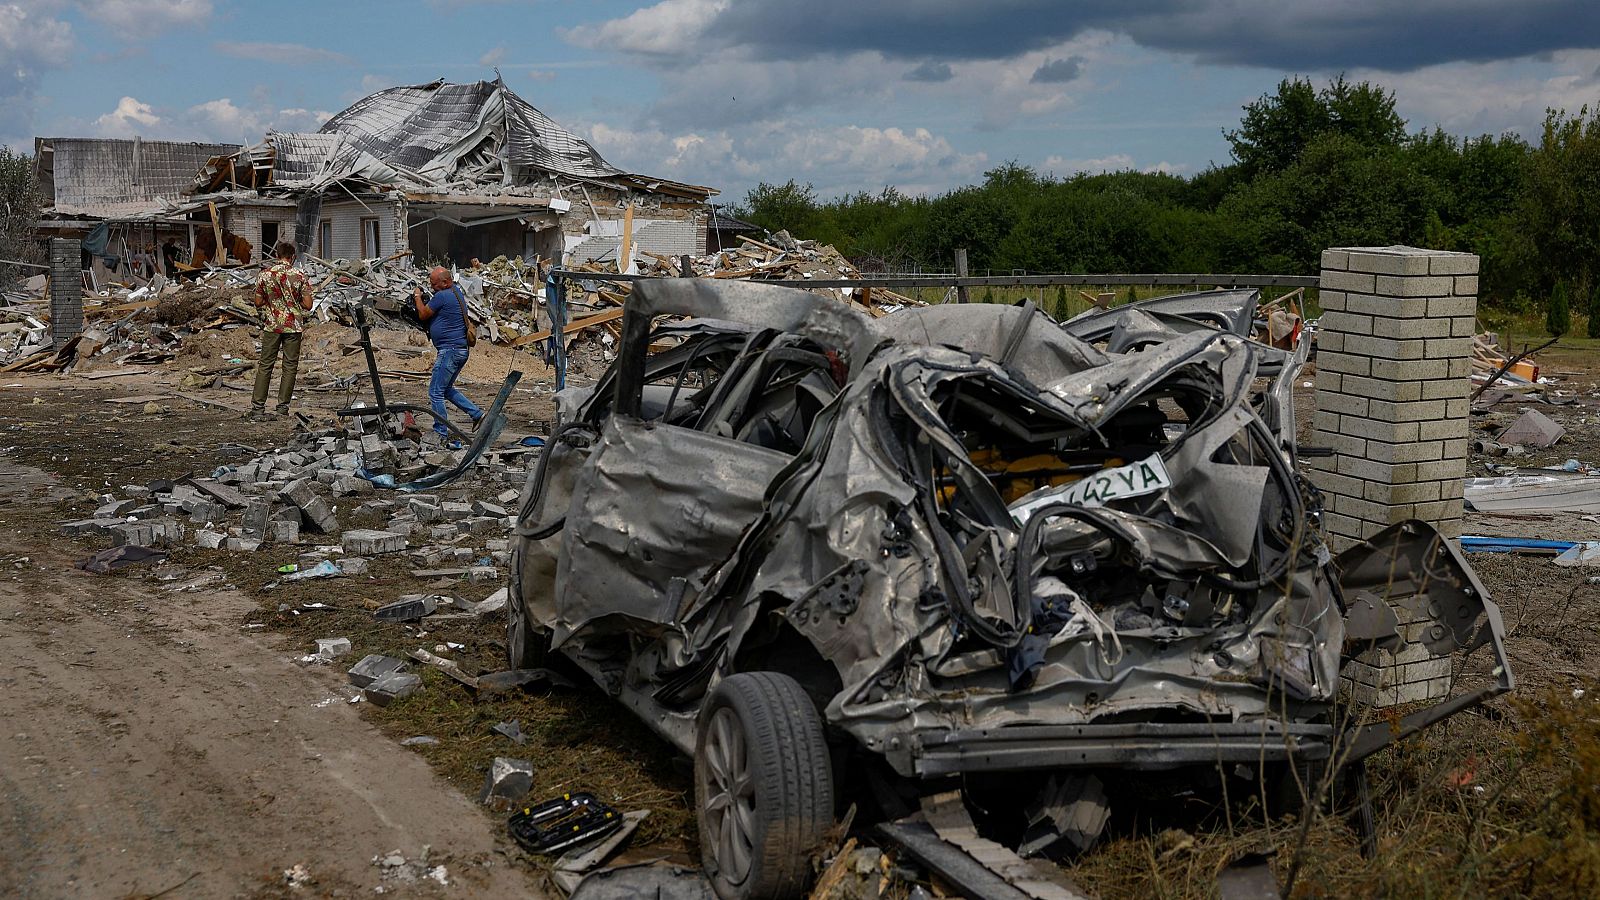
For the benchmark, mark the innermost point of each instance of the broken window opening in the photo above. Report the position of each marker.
(371, 245)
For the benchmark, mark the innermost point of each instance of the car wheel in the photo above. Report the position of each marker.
(763, 786)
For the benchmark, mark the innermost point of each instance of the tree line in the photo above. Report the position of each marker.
(1312, 167)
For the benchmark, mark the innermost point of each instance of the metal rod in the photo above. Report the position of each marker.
(945, 281)
(372, 368)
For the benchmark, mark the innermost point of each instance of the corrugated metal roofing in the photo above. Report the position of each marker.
(432, 127)
(721, 221)
(113, 177)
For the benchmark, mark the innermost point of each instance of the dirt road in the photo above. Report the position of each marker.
(151, 740)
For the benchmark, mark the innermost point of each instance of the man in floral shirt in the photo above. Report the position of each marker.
(284, 296)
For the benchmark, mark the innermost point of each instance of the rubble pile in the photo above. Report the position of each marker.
(140, 322)
(293, 495)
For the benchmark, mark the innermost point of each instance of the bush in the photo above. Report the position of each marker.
(1064, 312)
(1558, 314)
(1594, 311)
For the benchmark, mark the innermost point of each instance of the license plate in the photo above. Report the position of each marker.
(1147, 476)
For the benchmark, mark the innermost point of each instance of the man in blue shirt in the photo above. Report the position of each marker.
(445, 314)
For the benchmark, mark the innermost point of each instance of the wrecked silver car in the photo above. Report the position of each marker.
(815, 549)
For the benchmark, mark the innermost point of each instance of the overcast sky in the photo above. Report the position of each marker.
(846, 94)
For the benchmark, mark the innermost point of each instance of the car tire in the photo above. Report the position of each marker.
(763, 786)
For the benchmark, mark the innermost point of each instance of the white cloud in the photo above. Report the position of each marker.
(492, 57)
(669, 28)
(131, 117)
(31, 40)
(145, 17)
(280, 54)
(1491, 98)
(837, 160)
(220, 120)
(1115, 162)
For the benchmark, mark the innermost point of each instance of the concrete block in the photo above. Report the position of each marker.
(1446, 389)
(1338, 280)
(136, 534)
(408, 608)
(1387, 263)
(1442, 263)
(243, 544)
(508, 780)
(481, 508)
(1445, 348)
(1386, 347)
(1402, 286)
(1409, 411)
(115, 509)
(1346, 404)
(1442, 430)
(392, 687)
(316, 510)
(1463, 326)
(1346, 323)
(1445, 307)
(1335, 259)
(1371, 470)
(283, 532)
(205, 511)
(484, 524)
(1331, 301)
(424, 510)
(1374, 429)
(82, 527)
(1466, 285)
(370, 542)
(453, 511)
(1344, 363)
(1441, 470)
(332, 648)
(1409, 451)
(1393, 494)
(345, 485)
(373, 667)
(1376, 389)
(1411, 329)
(1341, 444)
(209, 540)
(1387, 306)
(1410, 369)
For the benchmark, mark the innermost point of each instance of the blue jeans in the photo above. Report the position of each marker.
(442, 387)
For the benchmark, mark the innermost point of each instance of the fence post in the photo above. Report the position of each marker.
(1393, 365)
(66, 289)
(961, 272)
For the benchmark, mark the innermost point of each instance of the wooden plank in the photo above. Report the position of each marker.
(576, 325)
(625, 252)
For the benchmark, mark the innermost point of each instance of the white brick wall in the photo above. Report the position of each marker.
(1392, 383)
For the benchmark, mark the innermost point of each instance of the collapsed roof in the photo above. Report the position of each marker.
(436, 136)
(111, 178)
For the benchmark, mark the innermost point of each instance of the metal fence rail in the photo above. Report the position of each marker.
(978, 281)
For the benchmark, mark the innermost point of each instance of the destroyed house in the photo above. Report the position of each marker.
(449, 172)
(133, 187)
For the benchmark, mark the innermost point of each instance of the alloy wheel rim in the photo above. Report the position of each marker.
(730, 796)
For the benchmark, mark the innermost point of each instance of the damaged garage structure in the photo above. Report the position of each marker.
(448, 172)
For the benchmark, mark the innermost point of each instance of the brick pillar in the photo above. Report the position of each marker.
(1393, 364)
(66, 289)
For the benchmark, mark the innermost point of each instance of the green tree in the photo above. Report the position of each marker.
(1558, 315)
(1278, 127)
(1594, 311)
(19, 209)
(1130, 295)
(1063, 311)
(776, 207)
(1560, 210)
